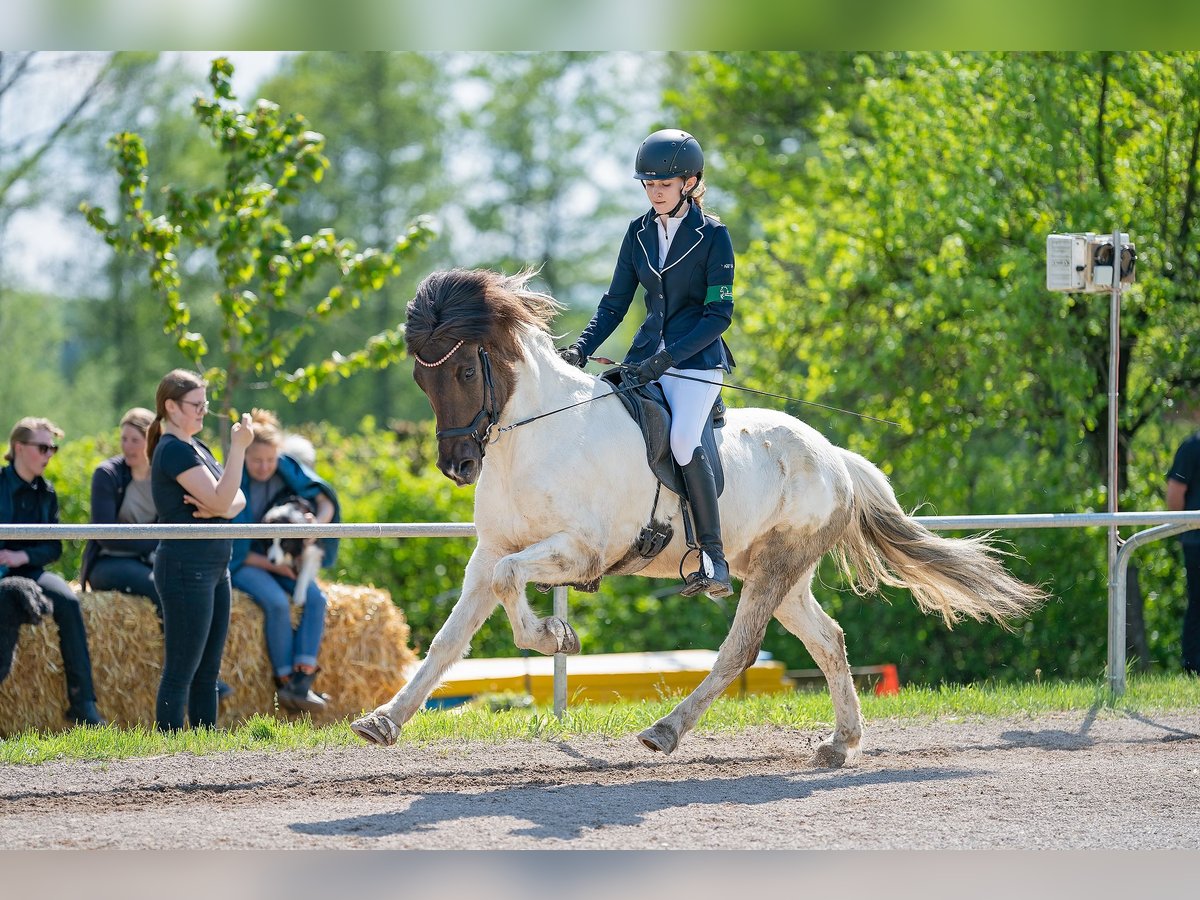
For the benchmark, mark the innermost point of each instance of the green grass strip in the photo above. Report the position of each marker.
(481, 723)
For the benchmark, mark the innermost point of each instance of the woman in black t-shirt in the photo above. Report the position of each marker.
(192, 576)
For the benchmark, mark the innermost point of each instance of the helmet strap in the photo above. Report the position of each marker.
(684, 197)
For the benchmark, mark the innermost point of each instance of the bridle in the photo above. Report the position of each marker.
(487, 407)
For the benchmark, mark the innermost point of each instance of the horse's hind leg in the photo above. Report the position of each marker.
(761, 594)
(476, 603)
(559, 558)
(826, 643)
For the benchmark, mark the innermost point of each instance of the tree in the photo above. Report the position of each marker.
(390, 114)
(269, 161)
(900, 272)
(553, 128)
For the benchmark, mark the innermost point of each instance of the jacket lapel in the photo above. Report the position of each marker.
(648, 240)
(687, 238)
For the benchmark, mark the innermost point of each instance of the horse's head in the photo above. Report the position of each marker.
(463, 331)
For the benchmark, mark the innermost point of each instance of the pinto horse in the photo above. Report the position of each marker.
(563, 499)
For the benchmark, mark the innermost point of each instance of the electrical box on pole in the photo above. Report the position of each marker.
(1091, 263)
(1083, 262)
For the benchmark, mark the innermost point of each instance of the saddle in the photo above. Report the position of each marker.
(648, 407)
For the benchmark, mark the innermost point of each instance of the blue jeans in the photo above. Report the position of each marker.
(273, 593)
(195, 603)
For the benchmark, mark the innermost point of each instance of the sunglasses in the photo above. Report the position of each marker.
(44, 449)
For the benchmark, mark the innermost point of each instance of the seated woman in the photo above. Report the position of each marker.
(27, 498)
(270, 475)
(121, 495)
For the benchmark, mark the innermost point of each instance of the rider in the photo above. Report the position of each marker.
(683, 259)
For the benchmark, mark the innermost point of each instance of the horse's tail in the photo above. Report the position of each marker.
(954, 577)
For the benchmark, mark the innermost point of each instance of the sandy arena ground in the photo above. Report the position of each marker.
(1065, 781)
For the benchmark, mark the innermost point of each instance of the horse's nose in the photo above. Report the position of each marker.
(467, 470)
(460, 471)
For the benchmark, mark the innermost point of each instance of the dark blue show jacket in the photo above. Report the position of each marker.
(689, 302)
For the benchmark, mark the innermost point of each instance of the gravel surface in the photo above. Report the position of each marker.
(1065, 781)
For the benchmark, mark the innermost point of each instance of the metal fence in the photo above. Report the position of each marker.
(1165, 524)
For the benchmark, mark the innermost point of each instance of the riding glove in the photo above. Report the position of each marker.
(573, 356)
(653, 368)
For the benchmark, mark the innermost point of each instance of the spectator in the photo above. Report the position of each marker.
(27, 498)
(1183, 492)
(270, 476)
(192, 575)
(121, 495)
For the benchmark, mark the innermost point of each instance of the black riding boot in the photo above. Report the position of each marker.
(713, 576)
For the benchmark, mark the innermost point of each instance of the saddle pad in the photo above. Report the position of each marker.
(648, 407)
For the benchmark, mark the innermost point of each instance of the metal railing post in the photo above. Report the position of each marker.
(1116, 609)
(560, 659)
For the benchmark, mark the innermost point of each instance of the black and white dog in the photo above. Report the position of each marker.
(302, 554)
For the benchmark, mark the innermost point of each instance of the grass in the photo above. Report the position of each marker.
(481, 724)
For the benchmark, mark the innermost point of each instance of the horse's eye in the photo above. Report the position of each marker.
(469, 372)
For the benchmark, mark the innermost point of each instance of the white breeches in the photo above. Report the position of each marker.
(691, 404)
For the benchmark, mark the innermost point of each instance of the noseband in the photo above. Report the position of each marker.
(487, 409)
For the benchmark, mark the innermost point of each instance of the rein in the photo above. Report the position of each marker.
(488, 411)
(749, 390)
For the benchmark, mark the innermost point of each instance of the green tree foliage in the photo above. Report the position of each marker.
(269, 161)
(390, 115)
(550, 130)
(900, 272)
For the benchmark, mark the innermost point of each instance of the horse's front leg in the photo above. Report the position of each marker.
(559, 558)
(475, 604)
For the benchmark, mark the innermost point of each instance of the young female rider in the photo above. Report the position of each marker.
(683, 259)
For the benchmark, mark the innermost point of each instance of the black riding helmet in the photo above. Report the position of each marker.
(669, 153)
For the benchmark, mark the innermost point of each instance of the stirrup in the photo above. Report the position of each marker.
(697, 583)
(704, 580)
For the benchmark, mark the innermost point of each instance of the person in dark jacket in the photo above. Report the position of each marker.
(27, 498)
(270, 475)
(1183, 493)
(683, 260)
(121, 494)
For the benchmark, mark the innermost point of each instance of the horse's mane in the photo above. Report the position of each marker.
(476, 305)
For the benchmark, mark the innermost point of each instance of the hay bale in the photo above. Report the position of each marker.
(364, 660)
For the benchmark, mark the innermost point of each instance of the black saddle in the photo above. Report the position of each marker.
(648, 407)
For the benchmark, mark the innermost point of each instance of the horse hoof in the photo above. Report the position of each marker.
(830, 756)
(376, 728)
(660, 738)
(565, 637)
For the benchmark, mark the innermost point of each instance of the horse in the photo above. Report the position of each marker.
(562, 500)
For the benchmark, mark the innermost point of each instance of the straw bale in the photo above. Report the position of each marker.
(364, 660)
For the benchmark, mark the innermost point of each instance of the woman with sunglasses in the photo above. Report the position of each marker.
(192, 576)
(27, 498)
